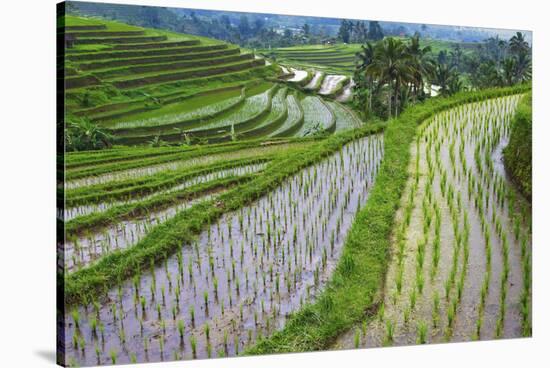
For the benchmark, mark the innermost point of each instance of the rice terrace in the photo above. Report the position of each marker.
(237, 183)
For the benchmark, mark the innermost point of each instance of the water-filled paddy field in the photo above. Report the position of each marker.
(242, 276)
(461, 253)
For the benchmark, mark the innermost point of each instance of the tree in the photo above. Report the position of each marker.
(422, 64)
(157, 142)
(244, 26)
(456, 55)
(442, 57)
(488, 75)
(448, 79)
(81, 134)
(345, 31)
(509, 71)
(258, 25)
(364, 82)
(523, 67)
(375, 32)
(151, 14)
(518, 45)
(391, 65)
(306, 29)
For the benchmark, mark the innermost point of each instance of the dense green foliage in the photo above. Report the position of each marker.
(81, 135)
(393, 73)
(518, 153)
(352, 293)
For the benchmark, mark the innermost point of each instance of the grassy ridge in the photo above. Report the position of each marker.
(93, 281)
(130, 188)
(98, 220)
(354, 290)
(518, 154)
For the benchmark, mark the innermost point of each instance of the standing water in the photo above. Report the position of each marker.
(240, 279)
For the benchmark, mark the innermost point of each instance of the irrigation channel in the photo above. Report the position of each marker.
(461, 259)
(240, 279)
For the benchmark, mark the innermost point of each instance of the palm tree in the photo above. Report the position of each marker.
(391, 65)
(489, 75)
(421, 62)
(447, 79)
(509, 71)
(518, 45)
(456, 55)
(523, 67)
(365, 58)
(455, 85)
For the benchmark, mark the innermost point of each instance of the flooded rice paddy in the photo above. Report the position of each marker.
(461, 263)
(240, 279)
(70, 213)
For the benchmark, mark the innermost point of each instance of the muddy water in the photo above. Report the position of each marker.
(90, 247)
(329, 83)
(72, 212)
(299, 75)
(346, 94)
(424, 303)
(314, 80)
(241, 278)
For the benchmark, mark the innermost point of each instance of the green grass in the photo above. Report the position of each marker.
(518, 153)
(131, 188)
(98, 220)
(191, 108)
(294, 119)
(316, 113)
(93, 163)
(70, 20)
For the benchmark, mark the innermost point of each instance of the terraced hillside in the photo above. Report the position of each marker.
(147, 86)
(327, 58)
(245, 207)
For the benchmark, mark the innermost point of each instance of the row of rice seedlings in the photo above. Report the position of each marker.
(252, 106)
(202, 112)
(73, 212)
(89, 247)
(453, 130)
(329, 84)
(490, 133)
(315, 81)
(316, 116)
(294, 114)
(177, 165)
(245, 273)
(494, 132)
(345, 118)
(460, 130)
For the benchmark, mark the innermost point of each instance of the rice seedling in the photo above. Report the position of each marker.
(193, 343)
(357, 338)
(389, 333)
(113, 355)
(435, 310)
(422, 332)
(181, 329)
